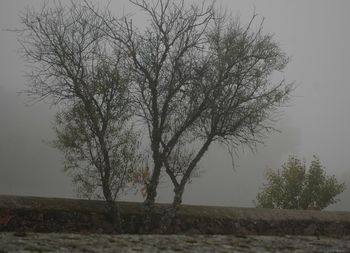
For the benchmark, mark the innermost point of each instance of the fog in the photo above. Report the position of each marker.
(316, 36)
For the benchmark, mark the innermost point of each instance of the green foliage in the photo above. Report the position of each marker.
(293, 187)
(96, 163)
(97, 137)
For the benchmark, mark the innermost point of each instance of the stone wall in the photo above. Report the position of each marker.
(34, 214)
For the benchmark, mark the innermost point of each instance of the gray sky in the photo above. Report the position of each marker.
(314, 33)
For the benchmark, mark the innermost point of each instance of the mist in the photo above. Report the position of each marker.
(316, 36)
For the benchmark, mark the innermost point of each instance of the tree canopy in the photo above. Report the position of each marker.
(72, 66)
(192, 76)
(295, 187)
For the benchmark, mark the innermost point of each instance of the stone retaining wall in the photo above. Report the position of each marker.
(36, 214)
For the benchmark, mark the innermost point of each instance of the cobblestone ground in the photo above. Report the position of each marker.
(34, 242)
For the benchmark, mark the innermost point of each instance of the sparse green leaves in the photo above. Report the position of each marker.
(74, 65)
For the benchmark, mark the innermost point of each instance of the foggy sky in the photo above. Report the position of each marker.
(316, 36)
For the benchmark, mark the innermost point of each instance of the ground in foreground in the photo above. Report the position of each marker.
(54, 242)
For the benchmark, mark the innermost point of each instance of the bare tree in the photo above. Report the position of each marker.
(72, 65)
(195, 77)
(239, 110)
(198, 77)
(164, 61)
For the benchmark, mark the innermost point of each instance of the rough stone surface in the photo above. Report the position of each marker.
(54, 242)
(34, 214)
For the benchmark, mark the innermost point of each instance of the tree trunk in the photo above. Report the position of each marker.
(169, 218)
(113, 210)
(179, 189)
(151, 198)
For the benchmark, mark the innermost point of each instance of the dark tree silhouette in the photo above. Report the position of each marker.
(195, 76)
(73, 67)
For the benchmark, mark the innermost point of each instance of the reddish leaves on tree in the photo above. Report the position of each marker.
(5, 217)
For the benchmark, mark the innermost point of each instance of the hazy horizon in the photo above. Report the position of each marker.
(316, 36)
